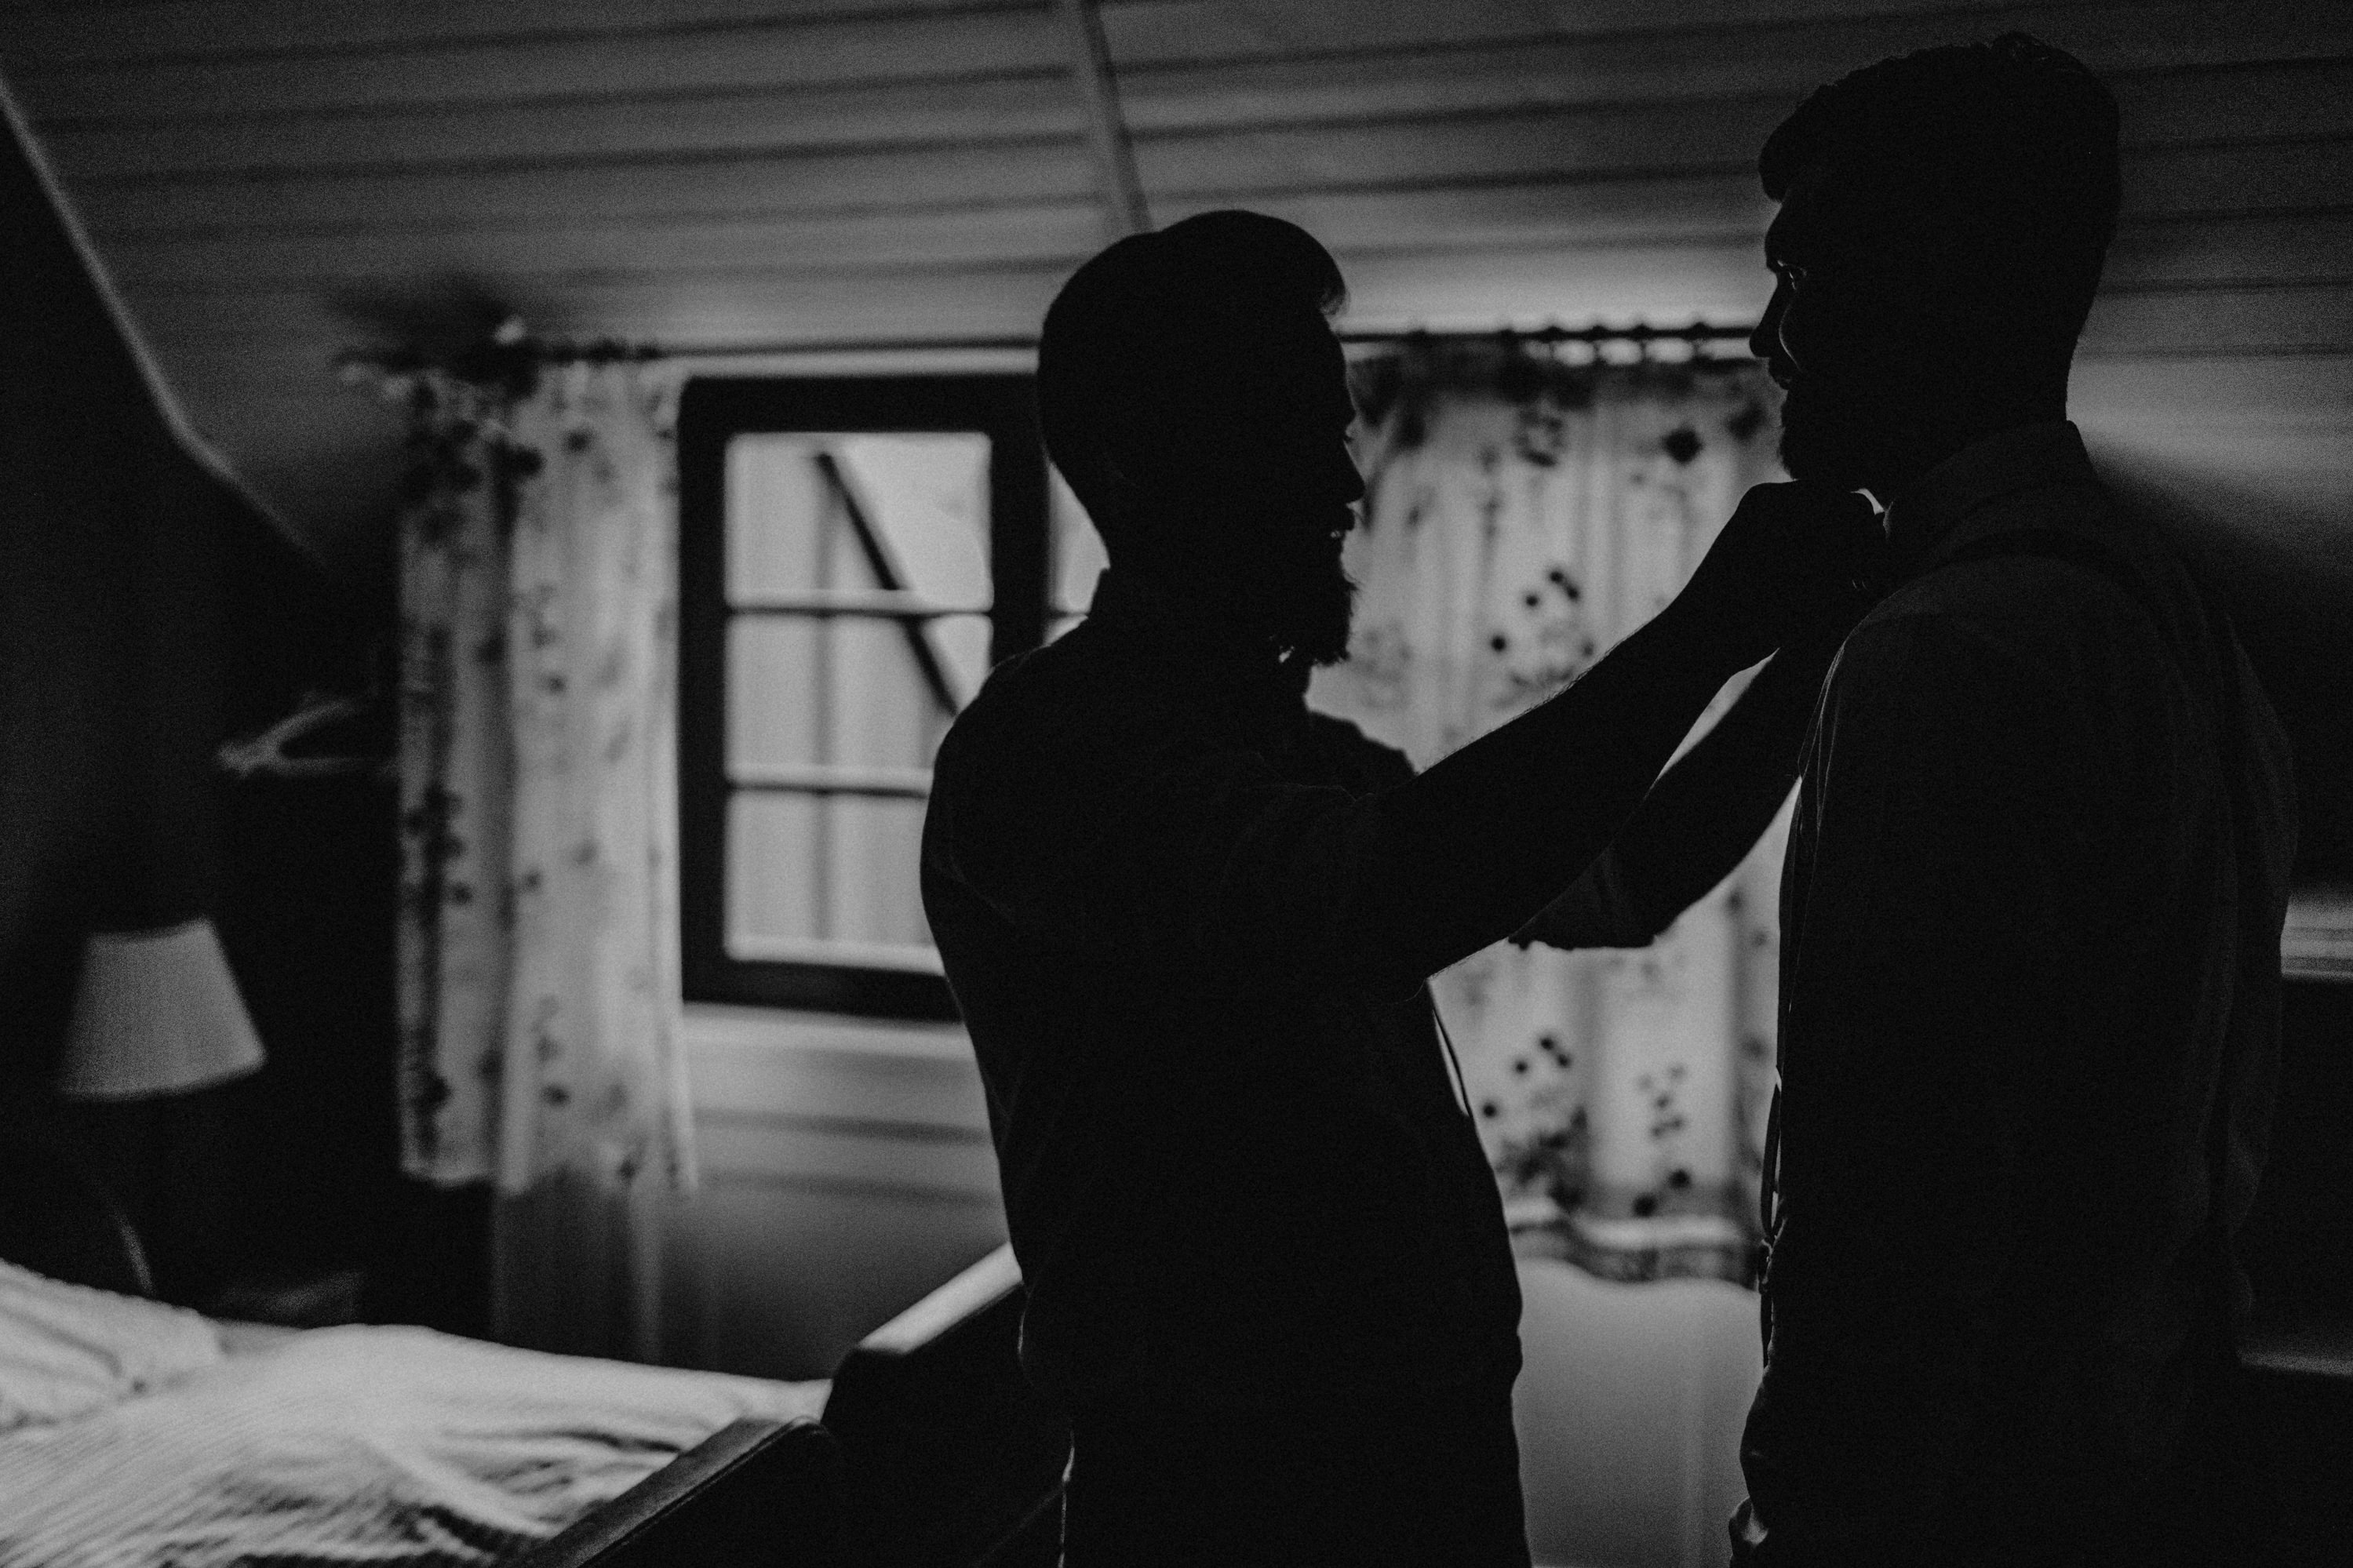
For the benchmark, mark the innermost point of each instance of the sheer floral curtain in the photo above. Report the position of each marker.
(539, 931)
(1524, 513)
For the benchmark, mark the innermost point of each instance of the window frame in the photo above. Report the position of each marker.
(714, 411)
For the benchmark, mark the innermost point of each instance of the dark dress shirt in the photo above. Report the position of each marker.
(2029, 1027)
(1179, 913)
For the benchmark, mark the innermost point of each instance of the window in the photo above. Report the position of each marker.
(855, 554)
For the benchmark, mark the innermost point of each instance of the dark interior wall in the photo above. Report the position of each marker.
(146, 615)
(2283, 562)
(109, 634)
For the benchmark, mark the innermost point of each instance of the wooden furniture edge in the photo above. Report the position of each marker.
(631, 1529)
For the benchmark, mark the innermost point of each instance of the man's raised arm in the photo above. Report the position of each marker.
(1213, 853)
(1702, 817)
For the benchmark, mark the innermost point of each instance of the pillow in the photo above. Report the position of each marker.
(66, 1350)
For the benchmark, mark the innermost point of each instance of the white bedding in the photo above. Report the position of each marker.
(66, 1350)
(378, 1446)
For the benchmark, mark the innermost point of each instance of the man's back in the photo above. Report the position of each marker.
(2029, 1021)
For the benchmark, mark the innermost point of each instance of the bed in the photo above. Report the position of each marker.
(135, 1434)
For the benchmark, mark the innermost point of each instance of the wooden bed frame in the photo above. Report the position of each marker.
(933, 1453)
(763, 1494)
(950, 1459)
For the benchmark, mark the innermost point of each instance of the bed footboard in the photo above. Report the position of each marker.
(950, 1459)
(761, 1494)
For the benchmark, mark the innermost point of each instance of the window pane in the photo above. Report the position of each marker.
(875, 845)
(963, 645)
(923, 499)
(886, 708)
(928, 498)
(893, 686)
(772, 669)
(826, 878)
(775, 890)
(778, 506)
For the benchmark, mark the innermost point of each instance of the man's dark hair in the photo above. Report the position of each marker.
(2020, 133)
(1159, 327)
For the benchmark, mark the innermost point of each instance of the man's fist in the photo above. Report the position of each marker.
(1793, 560)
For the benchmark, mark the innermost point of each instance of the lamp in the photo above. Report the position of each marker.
(156, 1012)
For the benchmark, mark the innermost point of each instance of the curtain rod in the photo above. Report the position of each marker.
(1695, 334)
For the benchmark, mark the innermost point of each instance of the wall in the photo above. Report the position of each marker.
(146, 613)
(846, 1171)
(1630, 1409)
(110, 564)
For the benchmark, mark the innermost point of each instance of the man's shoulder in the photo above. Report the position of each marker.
(2047, 590)
(2020, 648)
(1026, 702)
(1019, 769)
(1050, 726)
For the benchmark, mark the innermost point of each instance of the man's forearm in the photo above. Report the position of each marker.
(1471, 848)
(1708, 810)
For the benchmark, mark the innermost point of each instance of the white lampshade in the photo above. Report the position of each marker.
(156, 1013)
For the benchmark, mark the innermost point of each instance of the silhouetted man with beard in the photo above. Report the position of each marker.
(2031, 911)
(1189, 925)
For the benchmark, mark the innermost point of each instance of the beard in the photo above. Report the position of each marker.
(1317, 614)
(1274, 569)
(1877, 438)
(1829, 439)
(1296, 587)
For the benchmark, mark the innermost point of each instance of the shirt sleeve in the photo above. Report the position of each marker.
(1132, 841)
(1598, 909)
(1943, 830)
(1702, 817)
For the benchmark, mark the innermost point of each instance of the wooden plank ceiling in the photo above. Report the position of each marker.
(273, 181)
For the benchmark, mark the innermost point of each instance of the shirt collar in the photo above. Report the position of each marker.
(1197, 643)
(1948, 505)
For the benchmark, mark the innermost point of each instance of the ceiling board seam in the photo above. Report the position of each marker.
(1629, 174)
(429, 44)
(2319, 284)
(182, 333)
(682, 159)
(1467, 180)
(2181, 287)
(1666, 37)
(30, 65)
(1478, 244)
(2094, 354)
(980, 266)
(426, 108)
